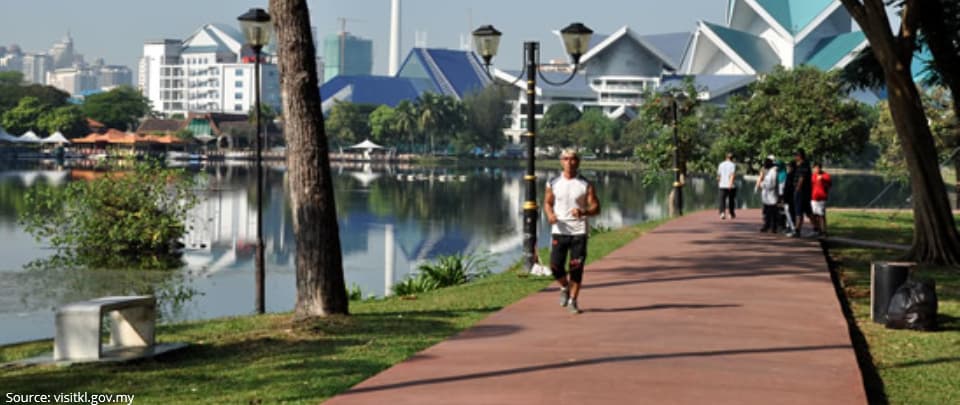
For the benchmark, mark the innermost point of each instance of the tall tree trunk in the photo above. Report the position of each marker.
(320, 284)
(935, 237)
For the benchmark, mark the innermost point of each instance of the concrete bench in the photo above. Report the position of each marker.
(78, 326)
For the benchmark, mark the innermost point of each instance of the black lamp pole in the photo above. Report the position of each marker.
(576, 38)
(677, 181)
(256, 28)
(530, 216)
(259, 255)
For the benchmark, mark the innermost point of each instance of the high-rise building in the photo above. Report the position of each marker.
(35, 67)
(345, 54)
(62, 53)
(73, 80)
(210, 71)
(114, 75)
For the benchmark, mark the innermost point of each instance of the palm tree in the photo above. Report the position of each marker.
(405, 121)
(430, 109)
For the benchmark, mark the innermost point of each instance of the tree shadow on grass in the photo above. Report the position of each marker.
(315, 359)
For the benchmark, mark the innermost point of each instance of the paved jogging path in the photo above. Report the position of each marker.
(697, 311)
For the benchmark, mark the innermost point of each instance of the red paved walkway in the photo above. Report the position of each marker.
(697, 311)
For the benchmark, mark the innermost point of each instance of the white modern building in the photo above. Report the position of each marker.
(722, 59)
(210, 71)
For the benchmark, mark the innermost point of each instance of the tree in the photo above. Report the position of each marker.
(119, 108)
(23, 117)
(347, 124)
(935, 236)
(68, 120)
(486, 110)
(650, 134)
(595, 132)
(789, 109)
(943, 126)
(560, 115)
(382, 123)
(321, 289)
(12, 90)
(405, 123)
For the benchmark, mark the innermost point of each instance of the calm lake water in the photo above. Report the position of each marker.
(391, 219)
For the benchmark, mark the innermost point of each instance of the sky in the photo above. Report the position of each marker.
(116, 29)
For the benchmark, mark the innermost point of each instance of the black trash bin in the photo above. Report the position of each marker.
(885, 278)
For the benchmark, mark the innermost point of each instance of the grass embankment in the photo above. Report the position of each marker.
(256, 359)
(915, 367)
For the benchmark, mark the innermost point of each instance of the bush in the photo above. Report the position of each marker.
(447, 271)
(120, 220)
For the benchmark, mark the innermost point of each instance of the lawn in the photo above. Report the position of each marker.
(915, 367)
(268, 359)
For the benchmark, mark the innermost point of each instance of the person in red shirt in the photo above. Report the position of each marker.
(820, 180)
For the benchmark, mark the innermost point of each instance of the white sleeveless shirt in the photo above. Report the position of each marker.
(569, 194)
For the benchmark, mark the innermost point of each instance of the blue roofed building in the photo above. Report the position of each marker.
(441, 71)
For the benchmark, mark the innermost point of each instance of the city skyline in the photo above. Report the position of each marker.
(368, 19)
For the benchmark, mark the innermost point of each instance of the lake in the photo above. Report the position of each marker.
(391, 219)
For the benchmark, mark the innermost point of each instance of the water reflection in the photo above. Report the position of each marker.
(391, 219)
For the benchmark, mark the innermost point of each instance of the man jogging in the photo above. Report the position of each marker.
(568, 201)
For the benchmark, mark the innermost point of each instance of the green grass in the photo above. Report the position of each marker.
(916, 367)
(269, 359)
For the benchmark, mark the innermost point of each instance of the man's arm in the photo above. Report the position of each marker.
(593, 204)
(548, 201)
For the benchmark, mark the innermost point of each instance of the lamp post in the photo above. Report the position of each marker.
(256, 28)
(576, 40)
(676, 97)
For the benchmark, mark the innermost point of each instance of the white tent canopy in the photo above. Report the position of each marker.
(5, 137)
(57, 137)
(366, 144)
(29, 137)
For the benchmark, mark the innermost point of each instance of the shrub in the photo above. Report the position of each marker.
(447, 271)
(122, 219)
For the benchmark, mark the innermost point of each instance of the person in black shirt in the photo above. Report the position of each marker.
(802, 190)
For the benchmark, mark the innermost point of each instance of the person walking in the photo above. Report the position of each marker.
(726, 173)
(787, 198)
(569, 200)
(769, 195)
(820, 190)
(802, 190)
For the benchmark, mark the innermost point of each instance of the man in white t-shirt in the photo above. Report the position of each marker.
(569, 200)
(726, 173)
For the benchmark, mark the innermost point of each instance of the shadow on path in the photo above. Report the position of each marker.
(588, 362)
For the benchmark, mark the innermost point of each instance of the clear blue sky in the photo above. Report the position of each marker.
(116, 29)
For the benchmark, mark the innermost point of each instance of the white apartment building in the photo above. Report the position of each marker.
(210, 71)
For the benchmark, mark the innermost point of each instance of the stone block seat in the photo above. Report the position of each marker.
(78, 326)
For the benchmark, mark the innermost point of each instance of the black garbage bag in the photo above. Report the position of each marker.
(913, 306)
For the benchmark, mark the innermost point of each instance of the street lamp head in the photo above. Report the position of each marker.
(256, 27)
(576, 38)
(486, 39)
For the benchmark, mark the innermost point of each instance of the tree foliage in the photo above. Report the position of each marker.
(560, 115)
(119, 108)
(347, 124)
(943, 126)
(650, 134)
(13, 90)
(799, 108)
(68, 120)
(23, 117)
(485, 111)
(120, 220)
(382, 125)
